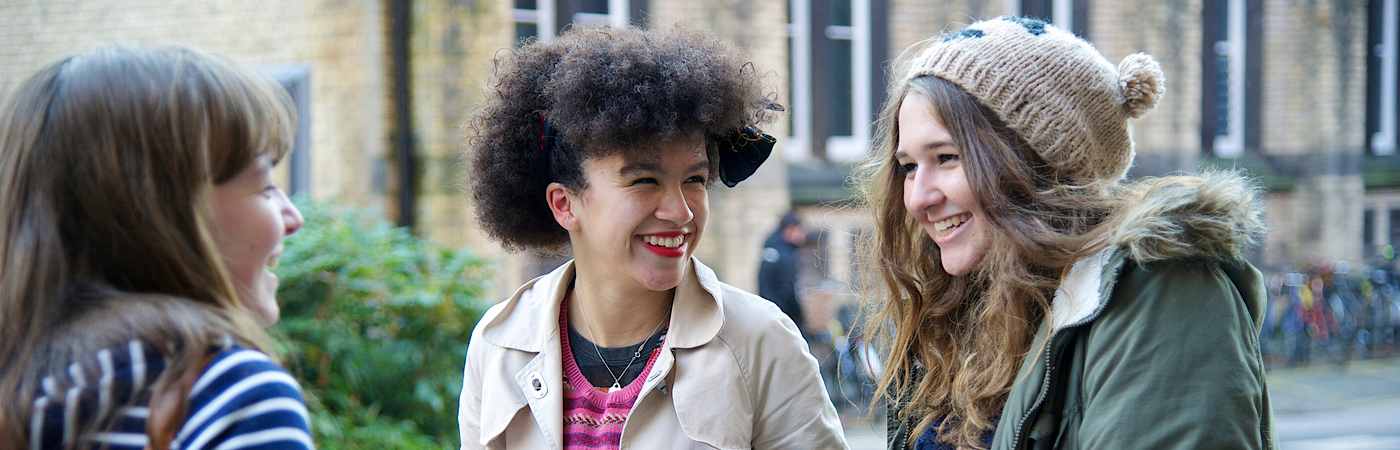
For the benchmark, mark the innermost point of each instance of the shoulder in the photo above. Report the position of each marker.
(1179, 298)
(1174, 283)
(754, 327)
(237, 370)
(243, 396)
(746, 313)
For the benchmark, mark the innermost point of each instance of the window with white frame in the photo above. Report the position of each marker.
(1066, 14)
(798, 81)
(1224, 110)
(592, 12)
(1383, 83)
(541, 19)
(533, 19)
(830, 79)
(296, 80)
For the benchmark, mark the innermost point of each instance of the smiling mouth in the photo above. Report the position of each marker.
(669, 244)
(948, 226)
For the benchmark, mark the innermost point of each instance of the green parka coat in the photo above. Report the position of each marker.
(1153, 341)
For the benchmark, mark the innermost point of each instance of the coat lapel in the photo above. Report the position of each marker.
(541, 384)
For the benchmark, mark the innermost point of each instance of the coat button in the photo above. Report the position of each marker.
(538, 386)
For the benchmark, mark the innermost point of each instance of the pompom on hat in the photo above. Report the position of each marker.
(1054, 89)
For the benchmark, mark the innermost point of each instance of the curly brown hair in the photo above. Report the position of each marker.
(596, 92)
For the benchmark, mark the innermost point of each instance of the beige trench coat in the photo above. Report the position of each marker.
(733, 374)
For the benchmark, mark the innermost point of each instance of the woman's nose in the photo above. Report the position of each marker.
(923, 194)
(674, 208)
(291, 217)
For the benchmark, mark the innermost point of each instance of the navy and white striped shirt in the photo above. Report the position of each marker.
(242, 400)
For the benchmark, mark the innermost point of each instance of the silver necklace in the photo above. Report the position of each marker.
(617, 381)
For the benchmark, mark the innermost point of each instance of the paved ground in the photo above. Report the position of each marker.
(1356, 407)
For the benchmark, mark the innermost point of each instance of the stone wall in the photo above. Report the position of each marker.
(340, 44)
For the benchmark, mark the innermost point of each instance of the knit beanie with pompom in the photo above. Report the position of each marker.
(1054, 89)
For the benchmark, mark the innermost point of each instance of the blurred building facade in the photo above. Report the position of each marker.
(1300, 93)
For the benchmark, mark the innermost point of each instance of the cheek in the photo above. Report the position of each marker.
(250, 238)
(699, 203)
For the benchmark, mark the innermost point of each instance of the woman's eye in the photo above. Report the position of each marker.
(944, 158)
(696, 179)
(908, 168)
(643, 181)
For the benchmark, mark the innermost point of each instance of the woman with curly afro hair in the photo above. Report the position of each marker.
(605, 142)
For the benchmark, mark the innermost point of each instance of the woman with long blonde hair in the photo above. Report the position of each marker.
(1028, 296)
(138, 226)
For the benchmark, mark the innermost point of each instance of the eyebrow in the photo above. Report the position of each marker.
(929, 146)
(651, 167)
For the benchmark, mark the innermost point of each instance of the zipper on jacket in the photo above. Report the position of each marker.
(1016, 438)
(904, 438)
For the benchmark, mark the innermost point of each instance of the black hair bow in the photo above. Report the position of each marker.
(742, 153)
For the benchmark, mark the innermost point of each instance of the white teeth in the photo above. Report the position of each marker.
(951, 222)
(672, 242)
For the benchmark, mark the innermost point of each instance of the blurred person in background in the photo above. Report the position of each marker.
(780, 266)
(606, 142)
(1030, 297)
(138, 226)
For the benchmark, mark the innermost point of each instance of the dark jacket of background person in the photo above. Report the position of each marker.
(1151, 341)
(777, 276)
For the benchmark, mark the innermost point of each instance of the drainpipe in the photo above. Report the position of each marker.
(405, 159)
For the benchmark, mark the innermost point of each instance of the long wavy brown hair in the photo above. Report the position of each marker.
(954, 344)
(107, 161)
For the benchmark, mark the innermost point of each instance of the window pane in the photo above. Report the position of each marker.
(840, 100)
(1222, 72)
(592, 6)
(1368, 233)
(791, 86)
(525, 31)
(525, 4)
(841, 12)
(1222, 88)
(1394, 226)
(1039, 9)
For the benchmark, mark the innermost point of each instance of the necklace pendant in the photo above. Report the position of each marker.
(614, 388)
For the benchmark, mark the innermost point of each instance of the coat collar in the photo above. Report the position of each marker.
(1084, 291)
(529, 320)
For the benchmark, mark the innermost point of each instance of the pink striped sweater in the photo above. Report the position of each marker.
(593, 417)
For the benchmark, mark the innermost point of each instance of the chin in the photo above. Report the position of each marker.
(656, 279)
(956, 266)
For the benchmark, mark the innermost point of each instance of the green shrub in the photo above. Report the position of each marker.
(375, 322)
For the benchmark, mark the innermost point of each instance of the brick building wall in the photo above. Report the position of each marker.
(914, 20)
(340, 45)
(1170, 31)
(1313, 118)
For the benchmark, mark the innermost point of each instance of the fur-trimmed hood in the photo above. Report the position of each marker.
(1213, 215)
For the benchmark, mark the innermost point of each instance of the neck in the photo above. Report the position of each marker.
(615, 313)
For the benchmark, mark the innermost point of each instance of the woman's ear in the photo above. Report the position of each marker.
(561, 202)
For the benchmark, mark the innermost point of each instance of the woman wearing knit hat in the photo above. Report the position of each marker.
(605, 142)
(1032, 298)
